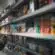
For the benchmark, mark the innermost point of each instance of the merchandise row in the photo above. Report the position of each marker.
(28, 7)
(44, 24)
(33, 46)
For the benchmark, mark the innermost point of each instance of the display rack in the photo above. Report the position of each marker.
(28, 50)
(43, 10)
(32, 35)
(26, 34)
(10, 10)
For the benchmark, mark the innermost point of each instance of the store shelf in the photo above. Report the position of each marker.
(5, 33)
(7, 13)
(5, 24)
(42, 10)
(17, 4)
(26, 49)
(33, 35)
(7, 50)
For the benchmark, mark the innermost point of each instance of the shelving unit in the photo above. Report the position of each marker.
(32, 35)
(7, 13)
(28, 50)
(43, 42)
(43, 10)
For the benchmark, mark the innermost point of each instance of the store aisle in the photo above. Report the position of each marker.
(2, 53)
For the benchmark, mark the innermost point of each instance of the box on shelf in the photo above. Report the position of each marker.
(53, 25)
(3, 30)
(10, 18)
(44, 2)
(18, 27)
(25, 9)
(45, 23)
(7, 29)
(21, 27)
(13, 27)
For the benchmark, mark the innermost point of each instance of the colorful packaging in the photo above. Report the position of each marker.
(43, 3)
(45, 23)
(21, 27)
(25, 9)
(37, 26)
(8, 29)
(47, 26)
(53, 25)
(32, 5)
(41, 25)
(51, 1)
(13, 27)
(10, 18)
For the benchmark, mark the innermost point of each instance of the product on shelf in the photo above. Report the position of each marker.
(6, 20)
(37, 25)
(41, 50)
(25, 9)
(30, 26)
(3, 22)
(20, 12)
(31, 5)
(36, 4)
(10, 18)
(16, 39)
(41, 25)
(7, 29)
(20, 40)
(44, 50)
(45, 23)
(3, 13)
(53, 25)
(3, 30)
(17, 49)
(13, 27)
(43, 3)
(51, 1)
(9, 39)
(18, 27)
(21, 27)
(31, 44)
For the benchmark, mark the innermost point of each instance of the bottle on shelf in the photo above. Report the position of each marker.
(37, 25)
(31, 6)
(25, 9)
